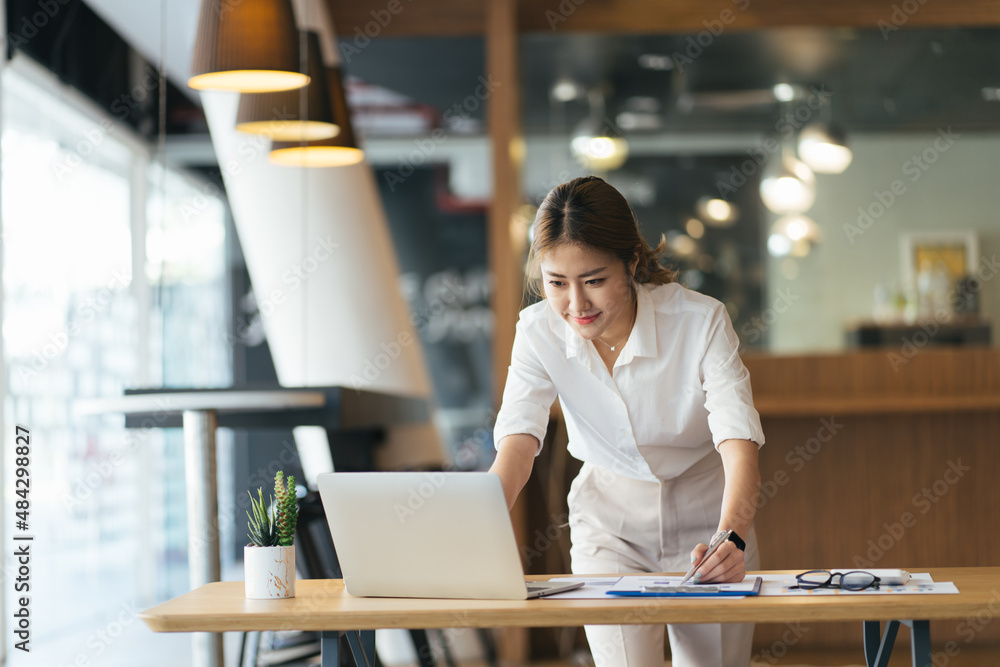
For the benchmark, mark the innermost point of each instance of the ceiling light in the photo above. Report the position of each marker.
(788, 187)
(339, 151)
(784, 92)
(682, 244)
(591, 144)
(285, 115)
(717, 212)
(824, 148)
(797, 227)
(793, 235)
(779, 245)
(314, 155)
(990, 94)
(695, 228)
(250, 46)
(601, 153)
(566, 90)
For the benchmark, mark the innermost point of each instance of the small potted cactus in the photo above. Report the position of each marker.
(269, 559)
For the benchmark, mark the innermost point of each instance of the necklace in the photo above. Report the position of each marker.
(612, 347)
(615, 346)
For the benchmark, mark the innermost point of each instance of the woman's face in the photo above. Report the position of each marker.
(589, 289)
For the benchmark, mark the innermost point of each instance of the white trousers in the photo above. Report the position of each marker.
(620, 525)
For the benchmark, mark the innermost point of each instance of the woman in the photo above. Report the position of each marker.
(657, 405)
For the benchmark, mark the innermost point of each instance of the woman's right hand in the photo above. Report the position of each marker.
(515, 458)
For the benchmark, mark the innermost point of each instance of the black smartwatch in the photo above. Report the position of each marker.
(737, 540)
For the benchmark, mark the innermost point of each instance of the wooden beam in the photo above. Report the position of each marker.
(409, 18)
(503, 117)
(370, 19)
(693, 16)
(504, 124)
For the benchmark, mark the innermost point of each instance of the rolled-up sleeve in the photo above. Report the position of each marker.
(726, 381)
(528, 394)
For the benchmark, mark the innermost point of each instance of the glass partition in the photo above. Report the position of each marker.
(94, 302)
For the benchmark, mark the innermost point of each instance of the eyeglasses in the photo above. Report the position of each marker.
(856, 580)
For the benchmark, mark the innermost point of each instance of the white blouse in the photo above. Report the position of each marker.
(678, 387)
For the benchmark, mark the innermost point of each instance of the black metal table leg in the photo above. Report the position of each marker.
(422, 647)
(872, 639)
(368, 642)
(329, 648)
(879, 648)
(362, 643)
(920, 642)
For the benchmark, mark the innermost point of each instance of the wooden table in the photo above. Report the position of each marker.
(323, 605)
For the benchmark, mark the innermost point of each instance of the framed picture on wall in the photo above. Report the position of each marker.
(957, 252)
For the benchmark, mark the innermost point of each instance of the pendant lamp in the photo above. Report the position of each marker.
(824, 148)
(788, 186)
(592, 145)
(250, 46)
(797, 227)
(338, 151)
(717, 212)
(285, 115)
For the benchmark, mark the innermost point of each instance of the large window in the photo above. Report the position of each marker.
(113, 276)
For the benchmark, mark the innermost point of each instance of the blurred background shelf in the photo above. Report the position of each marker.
(931, 333)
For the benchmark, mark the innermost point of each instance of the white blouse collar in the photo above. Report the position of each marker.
(642, 342)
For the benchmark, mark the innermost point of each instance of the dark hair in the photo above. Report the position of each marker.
(590, 212)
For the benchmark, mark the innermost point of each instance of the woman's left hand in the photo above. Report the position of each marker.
(726, 566)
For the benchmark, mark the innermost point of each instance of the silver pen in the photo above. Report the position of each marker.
(717, 542)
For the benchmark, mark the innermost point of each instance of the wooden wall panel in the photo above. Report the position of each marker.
(879, 373)
(876, 473)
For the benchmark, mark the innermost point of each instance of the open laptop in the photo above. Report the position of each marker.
(426, 535)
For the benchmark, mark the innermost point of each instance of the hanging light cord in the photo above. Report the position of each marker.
(303, 118)
(161, 147)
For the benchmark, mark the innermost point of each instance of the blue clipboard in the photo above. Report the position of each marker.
(688, 591)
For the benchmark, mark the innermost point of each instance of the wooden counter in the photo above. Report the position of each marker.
(879, 458)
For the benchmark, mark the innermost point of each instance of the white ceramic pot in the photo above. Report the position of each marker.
(269, 572)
